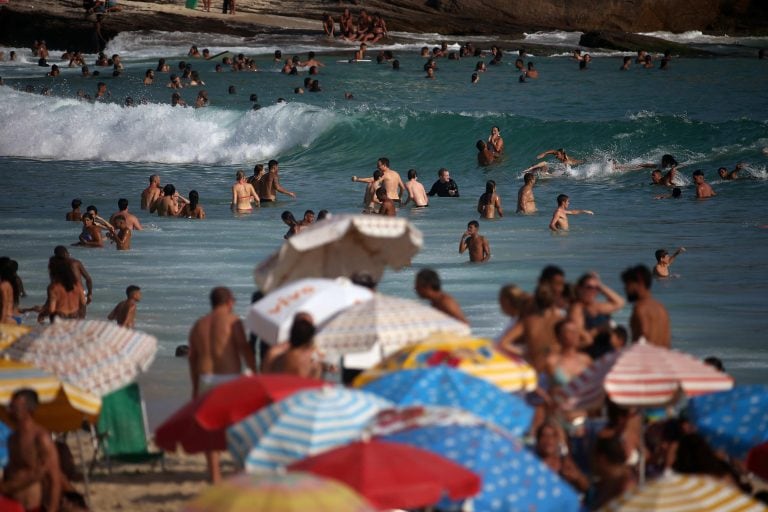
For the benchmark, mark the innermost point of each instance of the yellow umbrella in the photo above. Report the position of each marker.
(10, 333)
(63, 407)
(475, 356)
(685, 493)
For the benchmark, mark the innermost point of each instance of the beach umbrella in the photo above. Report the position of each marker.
(10, 333)
(733, 421)
(514, 479)
(342, 246)
(63, 407)
(306, 423)
(94, 355)
(272, 316)
(446, 387)
(643, 375)
(291, 492)
(757, 460)
(685, 493)
(383, 325)
(475, 356)
(393, 475)
(199, 425)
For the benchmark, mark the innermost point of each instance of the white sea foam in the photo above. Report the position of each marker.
(696, 36)
(554, 37)
(67, 129)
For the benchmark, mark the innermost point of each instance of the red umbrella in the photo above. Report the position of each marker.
(199, 425)
(757, 460)
(393, 475)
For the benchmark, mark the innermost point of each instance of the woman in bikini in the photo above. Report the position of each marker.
(243, 194)
(193, 210)
(65, 293)
(495, 142)
(489, 203)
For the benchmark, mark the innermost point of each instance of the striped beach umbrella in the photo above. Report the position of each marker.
(685, 493)
(291, 492)
(342, 246)
(383, 324)
(733, 421)
(445, 387)
(643, 375)
(306, 423)
(475, 356)
(10, 333)
(94, 355)
(63, 407)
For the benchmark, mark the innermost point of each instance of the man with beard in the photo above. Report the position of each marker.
(649, 319)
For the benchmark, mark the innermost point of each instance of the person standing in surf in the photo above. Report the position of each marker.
(559, 220)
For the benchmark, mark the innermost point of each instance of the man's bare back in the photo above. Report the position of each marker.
(650, 320)
(416, 193)
(393, 184)
(525, 200)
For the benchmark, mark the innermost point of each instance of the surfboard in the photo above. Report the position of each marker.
(352, 61)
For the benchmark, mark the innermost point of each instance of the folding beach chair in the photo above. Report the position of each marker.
(121, 433)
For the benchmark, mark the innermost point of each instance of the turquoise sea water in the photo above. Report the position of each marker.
(707, 112)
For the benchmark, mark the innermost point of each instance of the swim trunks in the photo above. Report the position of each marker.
(209, 381)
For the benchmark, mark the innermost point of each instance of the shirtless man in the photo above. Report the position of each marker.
(298, 357)
(360, 54)
(649, 319)
(122, 235)
(559, 220)
(152, 193)
(479, 249)
(427, 286)
(525, 200)
(32, 476)
(667, 180)
(269, 185)
(560, 154)
(75, 215)
(243, 194)
(131, 221)
(416, 192)
(703, 189)
(664, 261)
(169, 204)
(387, 205)
(370, 202)
(730, 175)
(124, 313)
(539, 337)
(485, 156)
(217, 348)
(390, 180)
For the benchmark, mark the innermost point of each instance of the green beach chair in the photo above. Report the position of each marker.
(121, 433)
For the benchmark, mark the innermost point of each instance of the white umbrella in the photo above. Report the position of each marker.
(381, 326)
(271, 317)
(342, 246)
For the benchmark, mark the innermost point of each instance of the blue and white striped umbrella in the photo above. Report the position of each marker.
(733, 421)
(514, 479)
(444, 386)
(304, 424)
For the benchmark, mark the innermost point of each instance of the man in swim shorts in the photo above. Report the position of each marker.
(217, 349)
(269, 185)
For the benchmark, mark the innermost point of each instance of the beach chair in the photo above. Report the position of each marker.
(121, 433)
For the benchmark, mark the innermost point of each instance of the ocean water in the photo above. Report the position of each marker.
(706, 112)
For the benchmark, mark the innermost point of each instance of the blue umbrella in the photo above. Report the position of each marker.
(733, 421)
(306, 423)
(514, 479)
(444, 386)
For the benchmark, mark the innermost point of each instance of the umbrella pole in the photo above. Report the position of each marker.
(86, 483)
